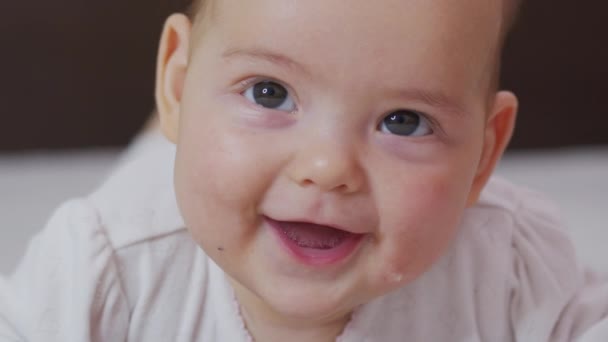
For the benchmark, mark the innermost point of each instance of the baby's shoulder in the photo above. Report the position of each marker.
(522, 227)
(521, 236)
(512, 199)
(158, 262)
(121, 254)
(515, 212)
(136, 203)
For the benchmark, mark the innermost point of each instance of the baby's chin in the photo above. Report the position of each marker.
(314, 305)
(301, 301)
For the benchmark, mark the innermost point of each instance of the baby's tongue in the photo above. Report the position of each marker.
(308, 235)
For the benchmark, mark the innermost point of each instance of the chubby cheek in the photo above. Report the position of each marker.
(417, 226)
(220, 181)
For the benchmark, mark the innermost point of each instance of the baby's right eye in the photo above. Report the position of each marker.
(270, 95)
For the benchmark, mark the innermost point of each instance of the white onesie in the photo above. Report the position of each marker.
(120, 266)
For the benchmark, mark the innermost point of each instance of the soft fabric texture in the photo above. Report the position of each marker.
(119, 265)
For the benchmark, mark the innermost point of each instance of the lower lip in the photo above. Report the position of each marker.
(317, 257)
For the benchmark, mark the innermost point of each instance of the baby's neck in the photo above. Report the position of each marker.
(263, 330)
(265, 325)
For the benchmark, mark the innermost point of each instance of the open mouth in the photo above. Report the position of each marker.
(313, 236)
(315, 244)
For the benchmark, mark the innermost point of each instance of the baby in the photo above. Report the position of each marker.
(330, 158)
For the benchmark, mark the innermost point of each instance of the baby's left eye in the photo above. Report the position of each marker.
(270, 95)
(405, 123)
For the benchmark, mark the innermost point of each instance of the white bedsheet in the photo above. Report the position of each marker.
(32, 185)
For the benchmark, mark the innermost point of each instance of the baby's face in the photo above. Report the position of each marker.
(327, 149)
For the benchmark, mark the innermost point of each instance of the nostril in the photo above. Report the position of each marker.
(342, 188)
(307, 182)
(339, 188)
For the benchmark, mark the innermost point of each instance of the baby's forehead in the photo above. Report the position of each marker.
(443, 40)
(472, 19)
(483, 15)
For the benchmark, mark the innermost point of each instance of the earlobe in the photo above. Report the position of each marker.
(499, 129)
(171, 68)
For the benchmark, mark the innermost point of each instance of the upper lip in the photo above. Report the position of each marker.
(346, 228)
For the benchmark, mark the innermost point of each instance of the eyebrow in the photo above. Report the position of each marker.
(265, 55)
(433, 98)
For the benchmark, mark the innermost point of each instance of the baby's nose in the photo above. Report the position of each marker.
(329, 165)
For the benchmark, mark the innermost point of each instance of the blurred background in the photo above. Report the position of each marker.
(72, 69)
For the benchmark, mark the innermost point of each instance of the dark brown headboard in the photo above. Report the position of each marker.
(557, 63)
(81, 73)
(77, 72)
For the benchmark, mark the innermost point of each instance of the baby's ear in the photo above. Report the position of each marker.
(499, 129)
(171, 69)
